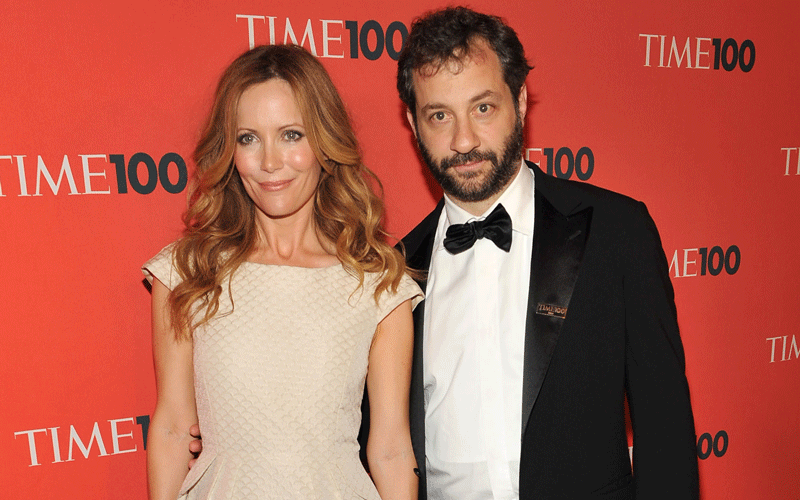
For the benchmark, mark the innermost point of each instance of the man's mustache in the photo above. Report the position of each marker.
(462, 158)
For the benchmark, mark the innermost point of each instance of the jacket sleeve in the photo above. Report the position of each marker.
(664, 441)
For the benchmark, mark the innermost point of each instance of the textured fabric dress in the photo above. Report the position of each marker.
(279, 382)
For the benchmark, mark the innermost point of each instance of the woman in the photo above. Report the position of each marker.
(268, 311)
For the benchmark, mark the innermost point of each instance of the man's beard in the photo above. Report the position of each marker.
(459, 186)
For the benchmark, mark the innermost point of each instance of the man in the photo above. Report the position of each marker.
(533, 330)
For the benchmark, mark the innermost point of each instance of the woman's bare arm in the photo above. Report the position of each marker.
(167, 441)
(389, 452)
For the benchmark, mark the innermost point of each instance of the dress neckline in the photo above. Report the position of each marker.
(284, 266)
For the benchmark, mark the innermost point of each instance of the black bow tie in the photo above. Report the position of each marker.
(496, 227)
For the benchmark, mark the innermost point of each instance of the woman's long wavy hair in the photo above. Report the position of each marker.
(220, 224)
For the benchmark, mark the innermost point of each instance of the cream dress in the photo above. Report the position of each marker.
(279, 382)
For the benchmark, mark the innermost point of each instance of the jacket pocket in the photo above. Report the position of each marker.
(619, 489)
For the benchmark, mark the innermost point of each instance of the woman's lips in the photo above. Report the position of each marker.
(275, 185)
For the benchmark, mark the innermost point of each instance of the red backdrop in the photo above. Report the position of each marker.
(690, 107)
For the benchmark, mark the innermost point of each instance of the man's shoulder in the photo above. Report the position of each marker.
(425, 227)
(420, 238)
(569, 193)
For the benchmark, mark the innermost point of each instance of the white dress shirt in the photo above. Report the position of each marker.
(476, 306)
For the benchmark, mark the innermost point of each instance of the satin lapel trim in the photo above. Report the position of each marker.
(419, 245)
(558, 244)
(416, 405)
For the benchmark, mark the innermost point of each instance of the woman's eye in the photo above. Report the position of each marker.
(245, 139)
(293, 135)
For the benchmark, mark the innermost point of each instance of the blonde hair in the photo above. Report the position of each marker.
(220, 230)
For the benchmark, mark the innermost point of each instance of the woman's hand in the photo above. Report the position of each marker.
(195, 445)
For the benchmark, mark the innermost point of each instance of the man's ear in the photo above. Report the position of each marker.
(410, 118)
(522, 101)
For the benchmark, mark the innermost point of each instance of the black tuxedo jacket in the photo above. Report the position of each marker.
(601, 325)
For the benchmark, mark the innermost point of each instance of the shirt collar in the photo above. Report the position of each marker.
(517, 199)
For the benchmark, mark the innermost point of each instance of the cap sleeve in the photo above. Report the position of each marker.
(162, 268)
(407, 289)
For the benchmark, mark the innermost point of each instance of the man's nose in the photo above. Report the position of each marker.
(464, 137)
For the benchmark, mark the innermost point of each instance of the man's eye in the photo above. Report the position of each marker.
(483, 108)
(438, 116)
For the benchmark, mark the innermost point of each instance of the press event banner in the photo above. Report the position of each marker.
(691, 107)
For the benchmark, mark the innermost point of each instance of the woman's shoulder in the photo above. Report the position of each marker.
(407, 289)
(162, 267)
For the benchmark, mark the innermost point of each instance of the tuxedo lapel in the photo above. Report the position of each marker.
(418, 245)
(561, 227)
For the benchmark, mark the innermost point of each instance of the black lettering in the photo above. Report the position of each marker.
(730, 65)
(584, 175)
(370, 54)
(133, 175)
(751, 50)
(733, 251)
(163, 173)
(548, 153)
(122, 179)
(715, 269)
(720, 450)
(706, 437)
(562, 152)
(395, 27)
(352, 27)
(717, 43)
(144, 422)
(703, 260)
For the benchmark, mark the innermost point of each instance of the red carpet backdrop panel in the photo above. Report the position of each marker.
(690, 107)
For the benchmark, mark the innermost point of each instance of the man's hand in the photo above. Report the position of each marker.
(196, 445)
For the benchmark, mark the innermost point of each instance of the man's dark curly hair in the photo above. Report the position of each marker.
(446, 36)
